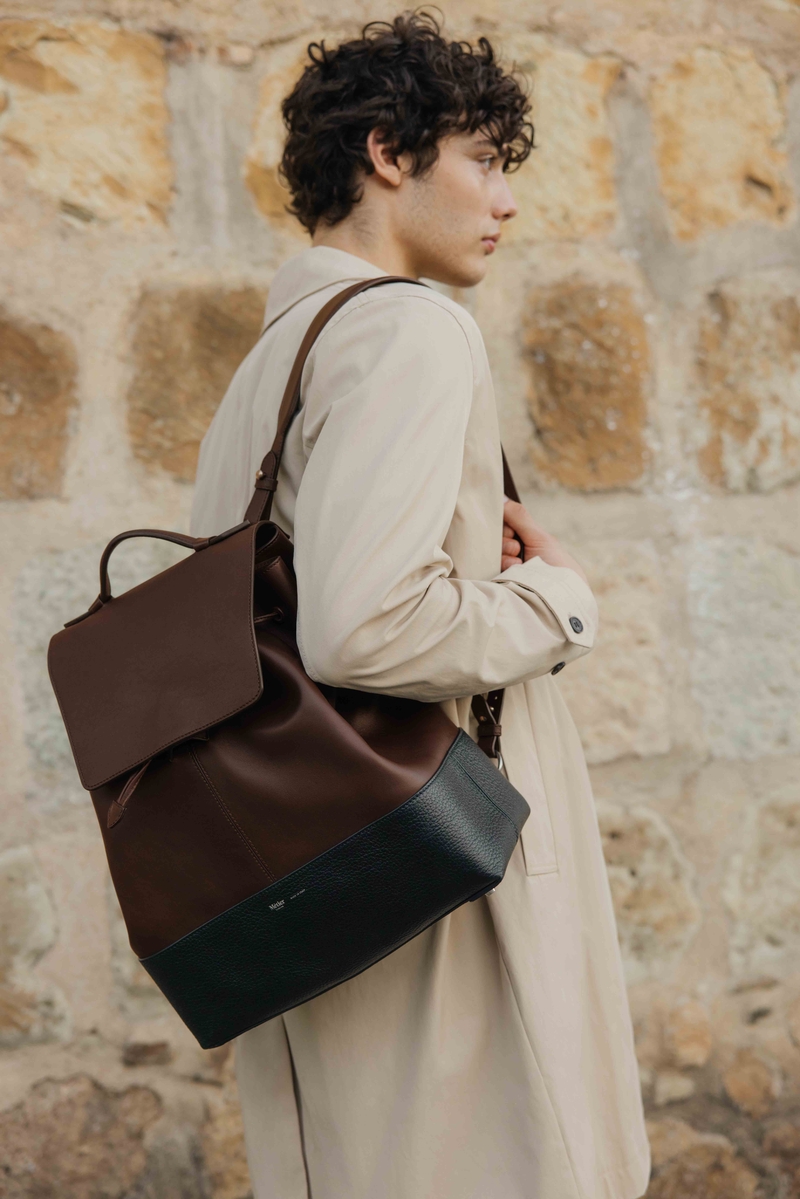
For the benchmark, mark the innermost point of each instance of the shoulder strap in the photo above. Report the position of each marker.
(260, 505)
(488, 708)
(266, 482)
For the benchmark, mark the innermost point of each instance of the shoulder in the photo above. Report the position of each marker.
(410, 317)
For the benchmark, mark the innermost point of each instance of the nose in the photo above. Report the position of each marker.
(505, 206)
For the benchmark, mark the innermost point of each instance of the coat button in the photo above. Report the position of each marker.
(557, 667)
(577, 625)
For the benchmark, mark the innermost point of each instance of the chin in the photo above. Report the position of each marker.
(468, 272)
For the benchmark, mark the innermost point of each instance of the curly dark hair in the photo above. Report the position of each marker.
(404, 79)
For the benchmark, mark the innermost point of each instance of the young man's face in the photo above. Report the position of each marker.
(450, 218)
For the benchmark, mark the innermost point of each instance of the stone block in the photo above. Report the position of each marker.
(38, 370)
(748, 382)
(54, 586)
(751, 1083)
(744, 611)
(588, 359)
(187, 345)
(566, 187)
(705, 1171)
(793, 1022)
(652, 889)
(222, 1140)
(264, 154)
(75, 1138)
(175, 1168)
(618, 694)
(87, 117)
(30, 1010)
(719, 124)
(670, 1138)
(671, 1087)
(147, 1053)
(781, 1147)
(687, 1034)
(762, 887)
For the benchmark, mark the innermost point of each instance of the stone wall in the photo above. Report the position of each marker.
(643, 321)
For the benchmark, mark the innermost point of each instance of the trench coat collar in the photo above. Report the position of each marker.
(310, 271)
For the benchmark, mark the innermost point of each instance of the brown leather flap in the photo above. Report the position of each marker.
(162, 662)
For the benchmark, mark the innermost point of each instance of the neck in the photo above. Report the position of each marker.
(372, 240)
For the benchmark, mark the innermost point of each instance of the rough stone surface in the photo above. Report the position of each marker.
(781, 1148)
(618, 693)
(652, 889)
(744, 608)
(748, 367)
(86, 115)
(174, 1169)
(136, 994)
(73, 1137)
(187, 344)
(30, 1009)
(223, 1142)
(38, 372)
(671, 1087)
(266, 147)
(54, 586)
(566, 187)
(793, 1022)
(762, 889)
(705, 1172)
(687, 1032)
(588, 357)
(670, 1138)
(147, 1053)
(719, 124)
(751, 1083)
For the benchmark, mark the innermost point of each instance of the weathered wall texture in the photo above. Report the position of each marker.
(643, 321)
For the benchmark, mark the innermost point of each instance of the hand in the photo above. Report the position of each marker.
(524, 539)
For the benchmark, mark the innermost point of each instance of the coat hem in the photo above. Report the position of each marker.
(628, 1181)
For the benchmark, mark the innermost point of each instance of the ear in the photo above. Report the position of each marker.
(385, 162)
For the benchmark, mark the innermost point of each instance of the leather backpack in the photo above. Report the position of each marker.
(268, 837)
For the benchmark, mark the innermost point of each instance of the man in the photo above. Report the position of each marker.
(492, 1056)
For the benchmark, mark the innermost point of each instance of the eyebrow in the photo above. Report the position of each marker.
(486, 143)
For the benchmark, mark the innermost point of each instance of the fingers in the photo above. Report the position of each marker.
(507, 562)
(522, 524)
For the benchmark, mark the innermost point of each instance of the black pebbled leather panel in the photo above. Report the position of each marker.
(351, 906)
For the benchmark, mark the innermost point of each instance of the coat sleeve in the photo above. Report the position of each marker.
(387, 396)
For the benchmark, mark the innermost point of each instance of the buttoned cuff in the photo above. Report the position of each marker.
(567, 596)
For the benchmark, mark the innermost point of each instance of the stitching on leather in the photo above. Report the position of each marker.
(207, 724)
(230, 817)
(485, 794)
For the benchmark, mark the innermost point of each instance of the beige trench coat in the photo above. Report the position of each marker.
(492, 1057)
